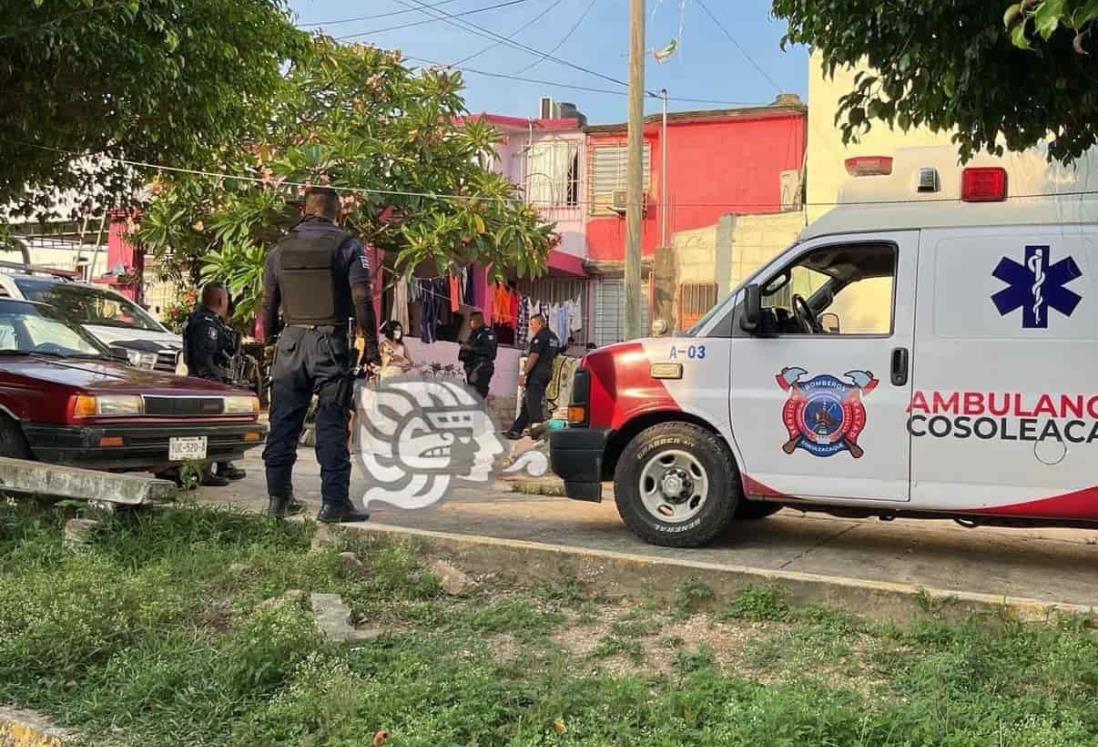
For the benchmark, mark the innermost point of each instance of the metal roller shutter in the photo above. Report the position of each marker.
(609, 318)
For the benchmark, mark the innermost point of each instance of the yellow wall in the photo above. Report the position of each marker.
(746, 241)
(728, 252)
(757, 239)
(695, 254)
(826, 151)
(863, 308)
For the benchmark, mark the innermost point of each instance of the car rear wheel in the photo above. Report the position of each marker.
(12, 442)
(676, 485)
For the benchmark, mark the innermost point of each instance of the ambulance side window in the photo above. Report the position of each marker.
(835, 290)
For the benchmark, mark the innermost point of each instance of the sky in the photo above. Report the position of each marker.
(708, 65)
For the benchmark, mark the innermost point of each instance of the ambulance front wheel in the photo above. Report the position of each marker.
(676, 485)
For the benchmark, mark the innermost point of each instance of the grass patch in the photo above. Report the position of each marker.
(757, 604)
(692, 597)
(159, 633)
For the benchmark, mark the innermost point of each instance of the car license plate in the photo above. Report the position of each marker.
(186, 449)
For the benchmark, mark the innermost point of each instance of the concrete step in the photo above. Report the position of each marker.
(35, 478)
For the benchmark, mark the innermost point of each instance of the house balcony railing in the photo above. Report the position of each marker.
(561, 213)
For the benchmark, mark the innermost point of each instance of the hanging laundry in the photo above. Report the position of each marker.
(576, 312)
(431, 307)
(415, 313)
(554, 322)
(497, 293)
(455, 293)
(400, 303)
(440, 287)
(468, 294)
(564, 323)
(514, 300)
(522, 332)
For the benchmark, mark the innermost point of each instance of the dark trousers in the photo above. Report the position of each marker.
(480, 377)
(309, 362)
(533, 405)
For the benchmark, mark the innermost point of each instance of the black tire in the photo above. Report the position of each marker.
(754, 510)
(12, 442)
(723, 495)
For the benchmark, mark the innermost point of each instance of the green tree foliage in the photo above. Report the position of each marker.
(1045, 17)
(161, 81)
(412, 168)
(995, 75)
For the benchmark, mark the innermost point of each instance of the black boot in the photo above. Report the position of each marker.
(210, 480)
(340, 513)
(280, 508)
(230, 472)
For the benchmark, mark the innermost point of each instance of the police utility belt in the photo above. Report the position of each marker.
(327, 329)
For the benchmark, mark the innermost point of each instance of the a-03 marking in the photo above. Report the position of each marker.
(690, 352)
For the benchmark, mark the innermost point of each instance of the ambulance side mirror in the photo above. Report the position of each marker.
(752, 308)
(829, 323)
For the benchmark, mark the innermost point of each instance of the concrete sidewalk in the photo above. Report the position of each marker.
(1052, 565)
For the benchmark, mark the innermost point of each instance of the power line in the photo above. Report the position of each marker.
(488, 33)
(714, 102)
(574, 87)
(391, 13)
(512, 35)
(758, 68)
(432, 20)
(453, 20)
(565, 38)
(506, 76)
(535, 203)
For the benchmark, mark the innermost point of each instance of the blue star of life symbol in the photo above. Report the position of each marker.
(1036, 286)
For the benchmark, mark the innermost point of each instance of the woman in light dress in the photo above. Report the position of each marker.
(395, 360)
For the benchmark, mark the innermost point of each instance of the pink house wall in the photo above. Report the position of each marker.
(716, 166)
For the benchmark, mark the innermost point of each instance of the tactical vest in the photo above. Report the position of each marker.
(307, 278)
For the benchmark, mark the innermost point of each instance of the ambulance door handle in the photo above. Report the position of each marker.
(899, 366)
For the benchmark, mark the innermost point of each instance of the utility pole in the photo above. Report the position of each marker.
(665, 203)
(634, 207)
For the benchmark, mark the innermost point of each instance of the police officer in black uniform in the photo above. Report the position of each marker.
(208, 347)
(319, 277)
(544, 346)
(479, 354)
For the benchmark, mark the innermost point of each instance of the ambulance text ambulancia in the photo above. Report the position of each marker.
(927, 349)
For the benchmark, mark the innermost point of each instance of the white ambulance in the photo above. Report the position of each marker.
(929, 348)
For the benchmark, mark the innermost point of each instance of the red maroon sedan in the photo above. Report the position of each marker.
(67, 399)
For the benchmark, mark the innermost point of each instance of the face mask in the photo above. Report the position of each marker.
(397, 334)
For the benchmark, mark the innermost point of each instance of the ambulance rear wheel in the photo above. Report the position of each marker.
(676, 485)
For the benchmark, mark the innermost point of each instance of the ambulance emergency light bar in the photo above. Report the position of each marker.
(978, 183)
(984, 184)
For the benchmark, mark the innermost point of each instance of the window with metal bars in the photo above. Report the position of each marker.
(606, 175)
(695, 299)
